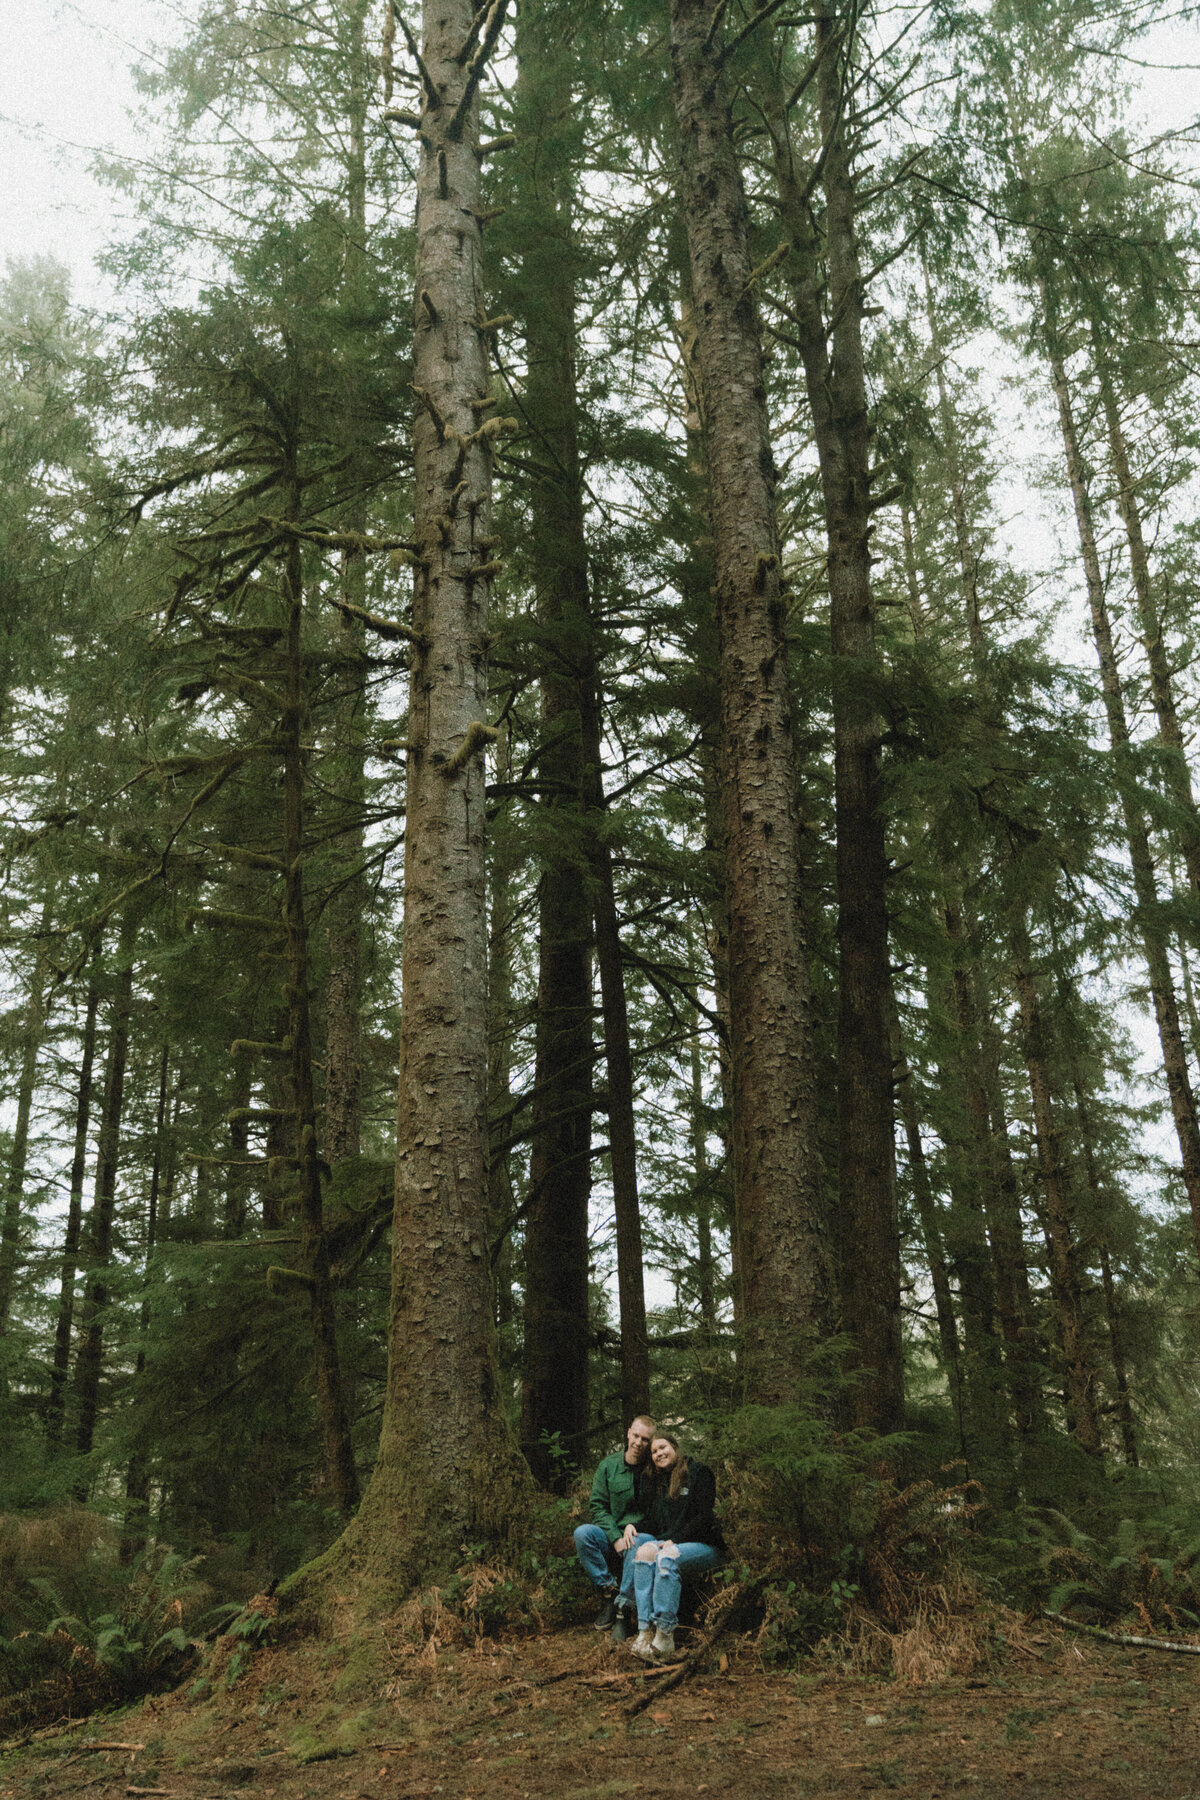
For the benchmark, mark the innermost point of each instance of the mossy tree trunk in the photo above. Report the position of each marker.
(782, 1256)
(447, 1471)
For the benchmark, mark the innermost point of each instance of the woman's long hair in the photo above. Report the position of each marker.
(679, 1470)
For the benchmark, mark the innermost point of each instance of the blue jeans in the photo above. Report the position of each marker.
(600, 1561)
(657, 1584)
(625, 1596)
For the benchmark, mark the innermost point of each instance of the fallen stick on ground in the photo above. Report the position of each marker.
(1123, 1637)
(104, 1744)
(632, 1674)
(133, 1790)
(58, 1729)
(738, 1602)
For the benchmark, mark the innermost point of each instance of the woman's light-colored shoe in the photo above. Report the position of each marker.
(643, 1643)
(664, 1643)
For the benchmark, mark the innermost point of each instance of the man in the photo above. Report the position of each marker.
(617, 1516)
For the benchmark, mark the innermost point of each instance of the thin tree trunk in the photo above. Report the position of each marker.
(622, 1131)
(925, 1203)
(835, 379)
(14, 1187)
(89, 1360)
(1162, 690)
(337, 1445)
(345, 911)
(554, 1409)
(136, 1525)
(501, 1204)
(1162, 986)
(1116, 1344)
(782, 1254)
(61, 1355)
(1079, 1369)
(706, 1286)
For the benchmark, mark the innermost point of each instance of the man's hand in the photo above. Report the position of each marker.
(625, 1541)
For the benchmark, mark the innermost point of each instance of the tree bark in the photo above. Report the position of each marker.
(1152, 931)
(1116, 1342)
(61, 1355)
(447, 1471)
(1080, 1373)
(136, 1524)
(835, 379)
(554, 1409)
(782, 1254)
(1162, 690)
(337, 1445)
(14, 1186)
(89, 1358)
(345, 910)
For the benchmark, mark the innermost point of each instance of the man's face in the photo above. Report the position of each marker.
(637, 1441)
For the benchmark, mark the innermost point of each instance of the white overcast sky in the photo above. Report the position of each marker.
(65, 92)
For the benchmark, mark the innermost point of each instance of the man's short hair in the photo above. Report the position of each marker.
(642, 1419)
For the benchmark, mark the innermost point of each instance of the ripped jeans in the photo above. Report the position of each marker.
(656, 1583)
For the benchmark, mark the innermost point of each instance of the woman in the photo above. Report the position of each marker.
(679, 1497)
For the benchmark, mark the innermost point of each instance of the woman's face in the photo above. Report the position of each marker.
(663, 1454)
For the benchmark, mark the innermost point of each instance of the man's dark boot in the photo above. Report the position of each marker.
(622, 1626)
(608, 1611)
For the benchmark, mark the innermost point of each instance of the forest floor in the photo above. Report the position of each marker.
(552, 1715)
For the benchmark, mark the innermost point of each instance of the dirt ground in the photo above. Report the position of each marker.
(551, 1715)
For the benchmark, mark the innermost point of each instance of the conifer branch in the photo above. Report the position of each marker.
(478, 737)
(252, 1047)
(247, 859)
(432, 92)
(764, 268)
(714, 24)
(386, 628)
(238, 921)
(472, 37)
(398, 116)
(357, 543)
(288, 1281)
(504, 142)
(752, 23)
(477, 65)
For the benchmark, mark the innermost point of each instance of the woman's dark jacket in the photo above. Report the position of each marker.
(689, 1518)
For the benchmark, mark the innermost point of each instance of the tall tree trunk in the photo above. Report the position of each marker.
(90, 1356)
(346, 907)
(136, 1525)
(1010, 1260)
(622, 1131)
(1162, 690)
(64, 1318)
(1079, 1367)
(337, 1445)
(835, 379)
(1153, 933)
(447, 1470)
(782, 1253)
(1116, 1341)
(14, 1186)
(557, 1327)
(926, 1207)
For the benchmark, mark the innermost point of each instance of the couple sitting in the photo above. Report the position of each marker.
(651, 1522)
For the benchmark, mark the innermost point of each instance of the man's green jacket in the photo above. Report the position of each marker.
(616, 1496)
